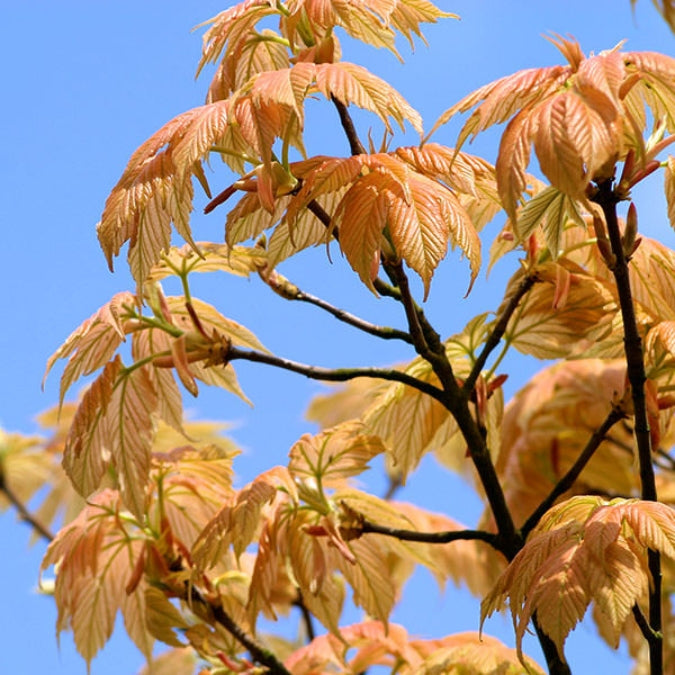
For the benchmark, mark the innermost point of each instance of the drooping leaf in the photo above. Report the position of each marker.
(407, 419)
(581, 118)
(95, 557)
(669, 189)
(552, 209)
(572, 560)
(239, 520)
(92, 344)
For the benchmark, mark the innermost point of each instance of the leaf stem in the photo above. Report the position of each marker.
(607, 200)
(566, 482)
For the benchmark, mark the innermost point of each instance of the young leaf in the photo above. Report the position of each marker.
(92, 344)
(571, 560)
(95, 557)
(334, 455)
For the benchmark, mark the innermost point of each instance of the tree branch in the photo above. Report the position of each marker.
(607, 199)
(566, 482)
(259, 653)
(306, 617)
(336, 375)
(499, 329)
(24, 513)
(384, 332)
(428, 345)
(429, 537)
(355, 145)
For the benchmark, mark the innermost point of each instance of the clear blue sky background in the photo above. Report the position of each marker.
(84, 83)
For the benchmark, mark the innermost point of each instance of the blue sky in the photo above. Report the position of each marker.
(84, 85)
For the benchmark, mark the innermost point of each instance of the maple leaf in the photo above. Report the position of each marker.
(563, 315)
(469, 653)
(95, 557)
(113, 426)
(583, 550)
(93, 342)
(547, 425)
(334, 455)
(239, 520)
(581, 118)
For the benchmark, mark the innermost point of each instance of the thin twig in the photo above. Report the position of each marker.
(607, 199)
(566, 482)
(644, 626)
(384, 332)
(335, 375)
(259, 653)
(429, 537)
(499, 329)
(355, 144)
(24, 513)
(306, 617)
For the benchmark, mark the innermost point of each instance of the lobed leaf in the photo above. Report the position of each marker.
(92, 343)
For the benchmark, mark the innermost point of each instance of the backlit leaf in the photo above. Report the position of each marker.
(92, 344)
(335, 454)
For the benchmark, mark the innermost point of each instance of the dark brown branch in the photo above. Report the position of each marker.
(556, 664)
(499, 329)
(566, 482)
(608, 200)
(428, 345)
(24, 513)
(258, 652)
(355, 145)
(644, 626)
(334, 375)
(306, 617)
(384, 332)
(429, 537)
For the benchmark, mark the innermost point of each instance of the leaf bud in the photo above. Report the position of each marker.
(630, 233)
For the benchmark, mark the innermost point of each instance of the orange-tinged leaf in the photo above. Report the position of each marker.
(469, 653)
(573, 142)
(87, 452)
(93, 343)
(549, 422)
(595, 553)
(94, 558)
(513, 160)
(335, 454)
(669, 189)
(238, 521)
(130, 421)
(406, 419)
(179, 661)
(373, 591)
(350, 83)
(550, 325)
